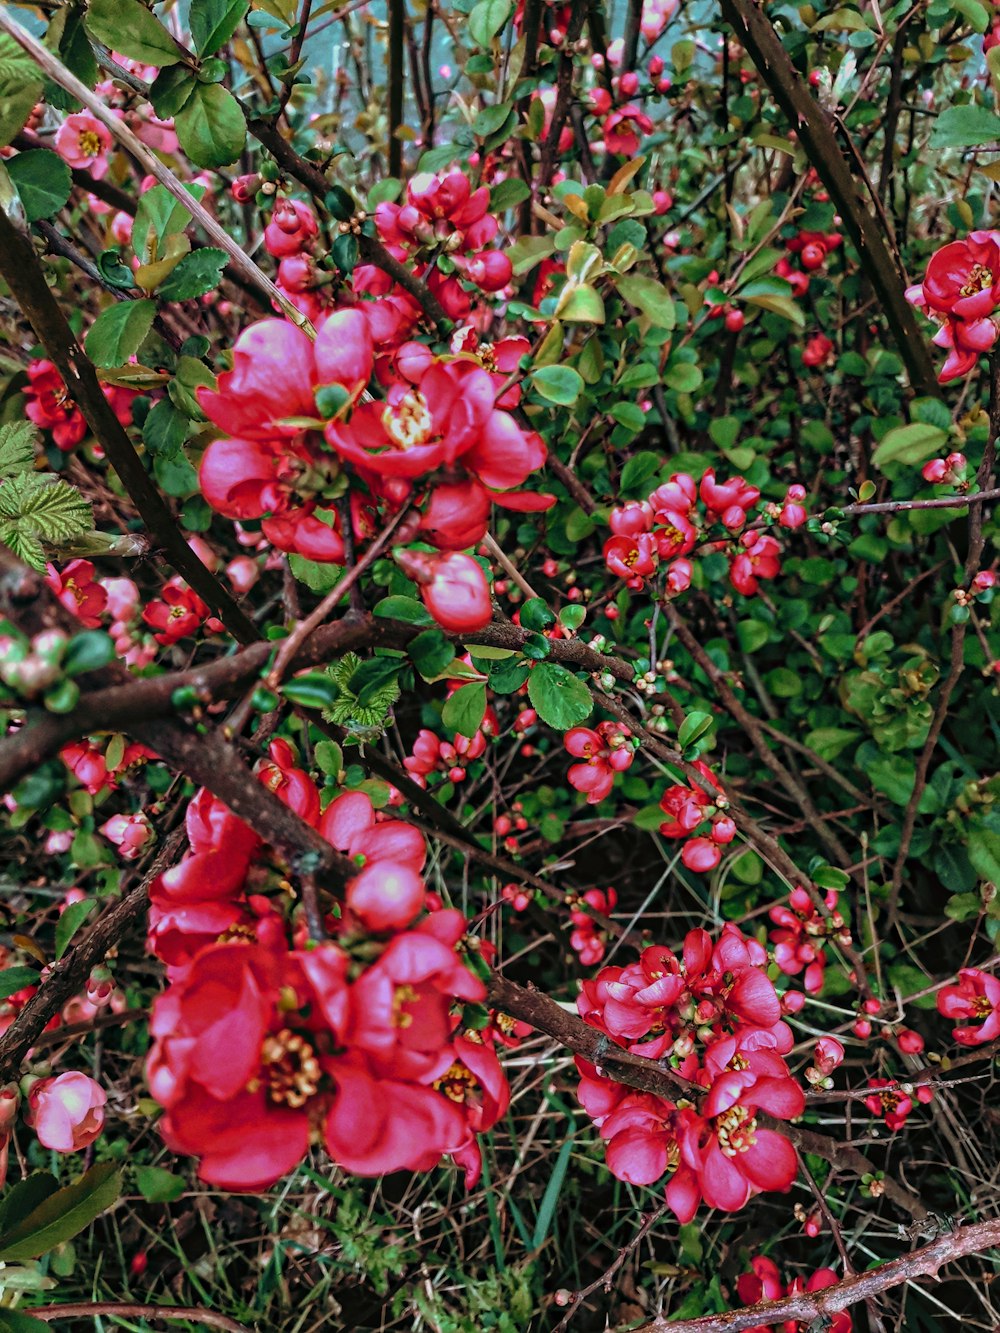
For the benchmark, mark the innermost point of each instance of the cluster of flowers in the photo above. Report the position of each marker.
(450, 222)
(47, 403)
(293, 413)
(715, 1017)
(604, 751)
(266, 1042)
(689, 807)
(801, 932)
(763, 1283)
(587, 940)
(961, 292)
(667, 526)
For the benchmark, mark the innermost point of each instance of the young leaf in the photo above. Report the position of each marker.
(45, 506)
(196, 274)
(20, 88)
(42, 180)
(70, 922)
(17, 447)
(118, 332)
(128, 26)
(211, 127)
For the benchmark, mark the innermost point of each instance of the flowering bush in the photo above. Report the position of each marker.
(499, 660)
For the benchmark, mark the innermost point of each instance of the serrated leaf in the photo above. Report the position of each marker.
(17, 447)
(171, 89)
(165, 429)
(157, 215)
(24, 545)
(320, 578)
(965, 127)
(70, 922)
(128, 27)
(42, 180)
(213, 22)
(196, 274)
(465, 709)
(211, 127)
(62, 1215)
(560, 698)
(21, 86)
(45, 506)
(119, 331)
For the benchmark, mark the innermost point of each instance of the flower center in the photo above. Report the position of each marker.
(456, 1083)
(408, 423)
(90, 143)
(736, 1129)
(487, 357)
(291, 1068)
(980, 277)
(981, 1007)
(402, 996)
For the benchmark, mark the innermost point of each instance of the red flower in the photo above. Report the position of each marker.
(177, 613)
(622, 129)
(454, 588)
(759, 560)
(388, 892)
(606, 752)
(48, 404)
(78, 592)
(631, 557)
(963, 278)
(976, 997)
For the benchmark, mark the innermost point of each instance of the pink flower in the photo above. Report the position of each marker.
(454, 588)
(622, 129)
(388, 892)
(66, 1112)
(78, 591)
(129, 833)
(976, 997)
(83, 141)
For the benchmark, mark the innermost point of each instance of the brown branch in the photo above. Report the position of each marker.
(815, 131)
(904, 506)
(806, 1308)
(89, 1309)
(24, 274)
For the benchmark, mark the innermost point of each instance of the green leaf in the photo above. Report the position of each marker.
(580, 303)
(157, 1185)
(640, 469)
(13, 1321)
(558, 384)
(211, 127)
(13, 979)
(693, 726)
(213, 22)
(21, 86)
(313, 689)
(25, 545)
(560, 698)
(70, 922)
(157, 216)
(171, 89)
(128, 26)
(62, 1215)
(88, 651)
(197, 273)
(486, 20)
(784, 306)
(165, 429)
(465, 709)
(319, 578)
(17, 447)
(23, 1198)
(67, 35)
(118, 332)
(407, 609)
(508, 194)
(909, 445)
(43, 182)
(984, 853)
(683, 377)
(535, 614)
(965, 127)
(651, 298)
(431, 653)
(45, 507)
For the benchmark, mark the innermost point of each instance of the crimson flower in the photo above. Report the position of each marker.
(48, 405)
(78, 591)
(177, 613)
(388, 892)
